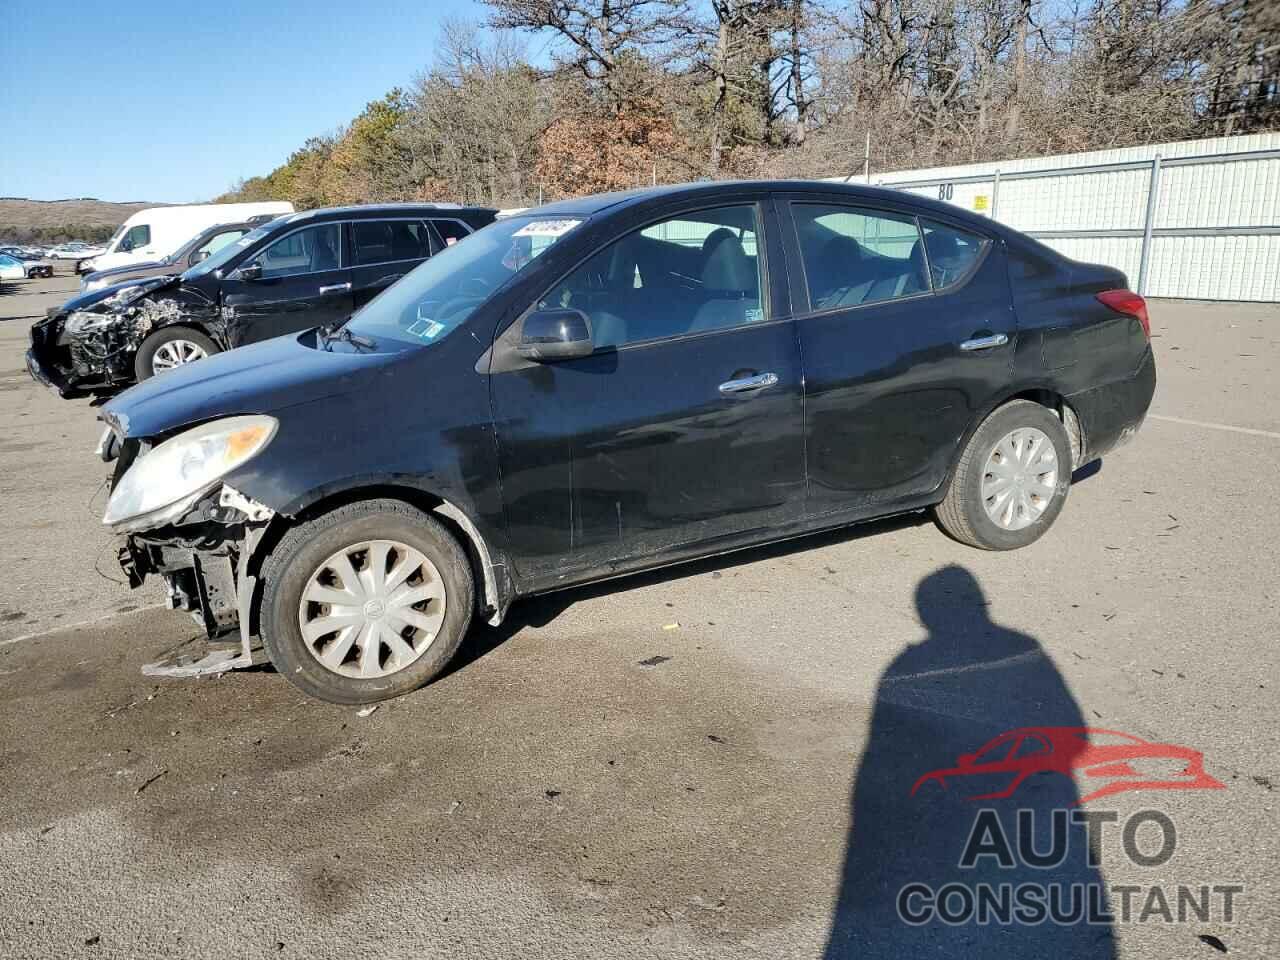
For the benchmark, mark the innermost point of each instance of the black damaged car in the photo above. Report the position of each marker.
(611, 384)
(297, 271)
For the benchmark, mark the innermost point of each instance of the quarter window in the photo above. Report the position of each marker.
(689, 274)
(952, 253)
(451, 231)
(388, 241)
(311, 250)
(853, 255)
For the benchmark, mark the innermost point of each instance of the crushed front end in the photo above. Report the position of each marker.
(89, 343)
(202, 547)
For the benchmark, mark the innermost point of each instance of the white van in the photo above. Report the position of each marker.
(151, 235)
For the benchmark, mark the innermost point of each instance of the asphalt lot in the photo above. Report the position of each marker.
(749, 796)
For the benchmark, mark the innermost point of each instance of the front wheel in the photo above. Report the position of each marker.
(1011, 481)
(169, 348)
(368, 602)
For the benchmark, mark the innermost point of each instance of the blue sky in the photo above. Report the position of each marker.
(165, 101)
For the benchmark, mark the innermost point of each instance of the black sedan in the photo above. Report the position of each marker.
(294, 272)
(611, 384)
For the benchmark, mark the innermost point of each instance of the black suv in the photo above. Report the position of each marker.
(200, 247)
(301, 270)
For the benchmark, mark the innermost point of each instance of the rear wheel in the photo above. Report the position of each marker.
(368, 602)
(1011, 481)
(169, 348)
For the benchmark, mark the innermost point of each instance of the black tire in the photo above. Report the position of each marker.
(142, 361)
(307, 546)
(962, 513)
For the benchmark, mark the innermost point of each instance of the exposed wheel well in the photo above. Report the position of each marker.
(1058, 404)
(488, 600)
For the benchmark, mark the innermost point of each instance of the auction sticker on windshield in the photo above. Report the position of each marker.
(546, 228)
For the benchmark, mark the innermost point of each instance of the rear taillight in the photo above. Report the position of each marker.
(1130, 304)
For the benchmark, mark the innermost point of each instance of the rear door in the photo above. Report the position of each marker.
(906, 330)
(683, 428)
(304, 283)
(383, 251)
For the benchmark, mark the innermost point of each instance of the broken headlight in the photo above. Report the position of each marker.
(81, 322)
(167, 481)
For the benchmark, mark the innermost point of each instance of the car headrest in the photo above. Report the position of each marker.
(727, 266)
(840, 251)
(942, 247)
(713, 240)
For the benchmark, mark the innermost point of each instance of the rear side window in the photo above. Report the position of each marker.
(451, 231)
(952, 253)
(854, 255)
(390, 241)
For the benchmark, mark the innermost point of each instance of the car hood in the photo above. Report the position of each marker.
(114, 274)
(95, 298)
(260, 378)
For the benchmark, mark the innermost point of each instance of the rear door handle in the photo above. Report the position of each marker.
(760, 381)
(336, 288)
(985, 343)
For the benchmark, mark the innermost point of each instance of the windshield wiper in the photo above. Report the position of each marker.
(340, 332)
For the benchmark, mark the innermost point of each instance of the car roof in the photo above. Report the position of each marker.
(595, 204)
(361, 211)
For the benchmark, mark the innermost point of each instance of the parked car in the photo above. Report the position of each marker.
(157, 233)
(611, 384)
(32, 265)
(75, 250)
(303, 270)
(11, 268)
(200, 247)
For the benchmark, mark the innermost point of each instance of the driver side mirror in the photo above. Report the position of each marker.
(250, 271)
(197, 256)
(559, 334)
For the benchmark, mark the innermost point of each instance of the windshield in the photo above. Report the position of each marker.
(438, 296)
(215, 261)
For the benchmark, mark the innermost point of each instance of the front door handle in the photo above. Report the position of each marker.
(336, 288)
(985, 343)
(760, 381)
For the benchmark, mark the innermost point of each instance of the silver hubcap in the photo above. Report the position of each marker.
(1020, 479)
(372, 609)
(174, 353)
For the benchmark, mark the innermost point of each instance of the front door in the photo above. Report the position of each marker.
(683, 428)
(303, 283)
(907, 334)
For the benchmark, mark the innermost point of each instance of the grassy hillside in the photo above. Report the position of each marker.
(53, 221)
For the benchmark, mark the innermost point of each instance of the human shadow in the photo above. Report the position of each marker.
(943, 705)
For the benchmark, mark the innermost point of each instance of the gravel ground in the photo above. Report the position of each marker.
(567, 792)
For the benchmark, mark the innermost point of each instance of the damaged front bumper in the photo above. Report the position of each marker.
(74, 364)
(94, 349)
(206, 558)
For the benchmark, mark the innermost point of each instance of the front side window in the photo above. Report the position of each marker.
(952, 253)
(689, 274)
(311, 250)
(137, 237)
(853, 255)
(218, 241)
(436, 297)
(389, 241)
